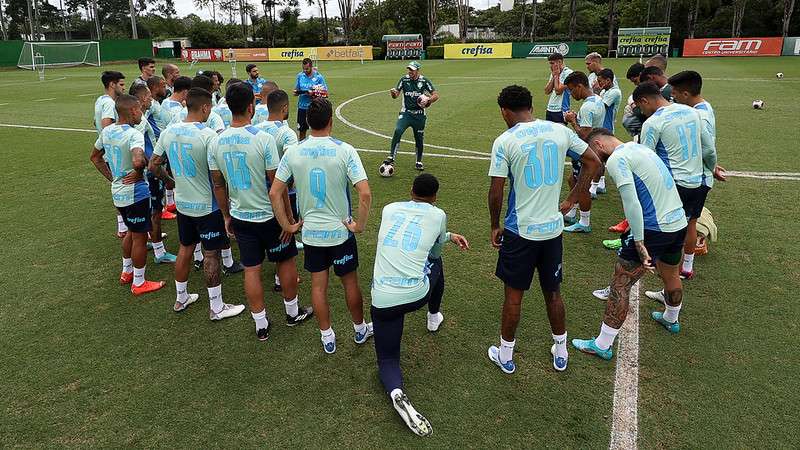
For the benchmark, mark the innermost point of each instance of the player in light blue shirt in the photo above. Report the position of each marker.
(408, 275)
(262, 112)
(530, 155)
(558, 102)
(255, 81)
(118, 154)
(105, 114)
(654, 243)
(612, 97)
(308, 84)
(686, 90)
(594, 65)
(590, 116)
(323, 169)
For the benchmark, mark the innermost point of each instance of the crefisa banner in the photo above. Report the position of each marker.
(770, 46)
(477, 51)
(643, 41)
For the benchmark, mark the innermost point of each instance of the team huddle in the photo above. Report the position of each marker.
(228, 165)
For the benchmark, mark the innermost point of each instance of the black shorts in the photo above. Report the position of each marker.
(208, 229)
(520, 257)
(156, 193)
(343, 257)
(256, 239)
(664, 246)
(576, 168)
(293, 203)
(693, 200)
(302, 123)
(137, 216)
(557, 117)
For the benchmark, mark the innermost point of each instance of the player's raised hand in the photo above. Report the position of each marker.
(460, 241)
(647, 261)
(496, 237)
(719, 173)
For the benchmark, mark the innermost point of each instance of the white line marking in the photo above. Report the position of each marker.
(789, 176)
(86, 95)
(3, 104)
(32, 82)
(625, 420)
(44, 99)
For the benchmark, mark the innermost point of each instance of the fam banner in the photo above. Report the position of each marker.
(770, 46)
(247, 54)
(577, 49)
(351, 53)
(292, 53)
(643, 41)
(791, 46)
(202, 54)
(477, 51)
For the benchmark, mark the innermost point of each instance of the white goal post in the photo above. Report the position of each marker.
(59, 54)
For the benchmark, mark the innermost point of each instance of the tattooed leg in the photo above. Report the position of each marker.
(673, 288)
(626, 274)
(211, 267)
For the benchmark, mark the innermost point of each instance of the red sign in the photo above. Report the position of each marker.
(771, 46)
(202, 54)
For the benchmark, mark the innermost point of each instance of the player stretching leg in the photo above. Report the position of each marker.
(199, 219)
(243, 159)
(658, 227)
(323, 168)
(532, 153)
(418, 93)
(408, 275)
(118, 154)
(590, 116)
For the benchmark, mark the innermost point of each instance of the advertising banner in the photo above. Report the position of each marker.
(477, 51)
(202, 54)
(643, 41)
(292, 53)
(352, 53)
(771, 46)
(247, 54)
(576, 49)
(411, 49)
(791, 46)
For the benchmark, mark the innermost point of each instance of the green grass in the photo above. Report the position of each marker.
(86, 364)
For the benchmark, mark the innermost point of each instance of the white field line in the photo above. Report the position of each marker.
(87, 95)
(44, 99)
(3, 104)
(789, 176)
(32, 82)
(625, 418)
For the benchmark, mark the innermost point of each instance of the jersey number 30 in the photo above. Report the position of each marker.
(544, 169)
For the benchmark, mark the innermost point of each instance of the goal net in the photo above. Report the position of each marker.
(58, 54)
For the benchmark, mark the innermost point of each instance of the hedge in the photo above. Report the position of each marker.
(435, 52)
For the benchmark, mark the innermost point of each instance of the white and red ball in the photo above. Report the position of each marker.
(386, 170)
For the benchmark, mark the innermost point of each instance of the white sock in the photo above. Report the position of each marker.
(602, 183)
(227, 257)
(394, 392)
(198, 252)
(561, 344)
(215, 299)
(328, 336)
(585, 218)
(291, 307)
(121, 227)
(180, 289)
(671, 313)
(606, 338)
(506, 350)
(170, 197)
(158, 249)
(138, 276)
(127, 265)
(277, 280)
(688, 262)
(260, 319)
(593, 188)
(360, 328)
(572, 212)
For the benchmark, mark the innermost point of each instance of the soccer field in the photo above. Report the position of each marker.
(84, 363)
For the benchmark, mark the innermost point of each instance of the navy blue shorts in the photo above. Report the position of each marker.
(693, 200)
(156, 193)
(519, 258)
(576, 168)
(257, 239)
(664, 246)
(302, 123)
(343, 257)
(137, 216)
(557, 117)
(293, 203)
(208, 229)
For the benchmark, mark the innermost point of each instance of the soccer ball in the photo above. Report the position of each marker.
(423, 100)
(386, 170)
(758, 104)
(779, 75)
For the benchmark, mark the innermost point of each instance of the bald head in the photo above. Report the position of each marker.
(657, 61)
(170, 73)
